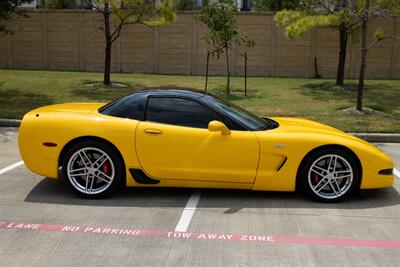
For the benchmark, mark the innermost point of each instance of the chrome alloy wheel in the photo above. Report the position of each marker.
(330, 176)
(90, 170)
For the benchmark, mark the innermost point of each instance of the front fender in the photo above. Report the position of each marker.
(281, 155)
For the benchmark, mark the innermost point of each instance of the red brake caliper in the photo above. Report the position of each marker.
(316, 179)
(106, 167)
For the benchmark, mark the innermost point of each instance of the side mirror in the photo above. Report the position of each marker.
(217, 126)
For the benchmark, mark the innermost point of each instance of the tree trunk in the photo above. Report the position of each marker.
(343, 37)
(228, 72)
(107, 65)
(107, 32)
(208, 62)
(245, 73)
(364, 50)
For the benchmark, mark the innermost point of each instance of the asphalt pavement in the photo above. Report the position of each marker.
(42, 223)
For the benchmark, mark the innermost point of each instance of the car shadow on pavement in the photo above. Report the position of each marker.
(55, 192)
(236, 200)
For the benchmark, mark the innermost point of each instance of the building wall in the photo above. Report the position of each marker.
(73, 40)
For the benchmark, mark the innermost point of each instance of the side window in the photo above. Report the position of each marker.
(132, 108)
(177, 111)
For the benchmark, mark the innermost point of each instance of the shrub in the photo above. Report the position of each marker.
(185, 4)
(273, 5)
(60, 4)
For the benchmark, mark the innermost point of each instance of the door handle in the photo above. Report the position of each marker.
(153, 131)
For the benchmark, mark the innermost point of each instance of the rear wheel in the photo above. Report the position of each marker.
(329, 175)
(92, 169)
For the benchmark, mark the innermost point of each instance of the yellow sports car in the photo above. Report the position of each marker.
(184, 138)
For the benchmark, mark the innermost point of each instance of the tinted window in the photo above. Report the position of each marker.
(180, 112)
(131, 107)
(247, 118)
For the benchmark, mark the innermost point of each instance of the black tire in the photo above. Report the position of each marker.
(318, 187)
(115, 165)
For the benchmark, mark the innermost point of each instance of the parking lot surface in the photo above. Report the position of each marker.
(42, 223)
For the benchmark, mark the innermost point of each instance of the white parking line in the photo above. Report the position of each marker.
(396, 172)
(188, 212)
(12, 166)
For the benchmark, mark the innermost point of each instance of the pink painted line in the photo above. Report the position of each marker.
(200, 236)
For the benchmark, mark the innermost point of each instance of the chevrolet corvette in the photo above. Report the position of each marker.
(186, 138)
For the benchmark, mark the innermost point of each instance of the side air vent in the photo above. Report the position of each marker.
(283, 163)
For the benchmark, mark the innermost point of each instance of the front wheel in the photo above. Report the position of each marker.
(92, 169)
(329, 175)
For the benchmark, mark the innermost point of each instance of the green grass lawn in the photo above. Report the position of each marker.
(21, 91)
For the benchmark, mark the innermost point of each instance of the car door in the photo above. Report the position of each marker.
(174, 143)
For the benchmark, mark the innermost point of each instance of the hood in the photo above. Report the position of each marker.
(72, 108)
(296, 125)
(303, 125)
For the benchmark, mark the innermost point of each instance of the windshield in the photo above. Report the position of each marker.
(248, 119)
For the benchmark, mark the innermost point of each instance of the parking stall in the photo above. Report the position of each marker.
(44, 223)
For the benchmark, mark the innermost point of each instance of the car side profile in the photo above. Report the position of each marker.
(185, 138)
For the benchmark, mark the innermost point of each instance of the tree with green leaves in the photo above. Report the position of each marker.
(367, 11)
(336, 14)
(220, 18)
(347, 16)
(146, 12)
(8, 9)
